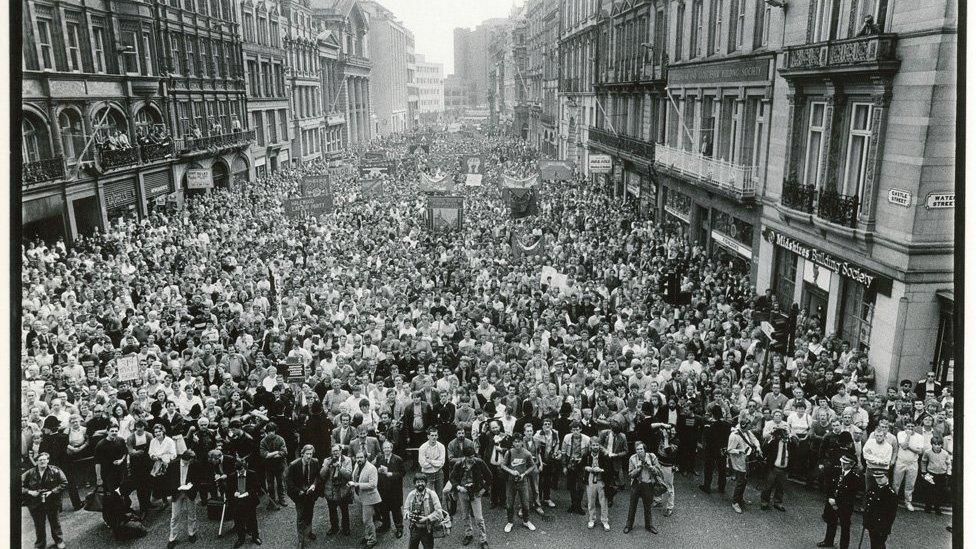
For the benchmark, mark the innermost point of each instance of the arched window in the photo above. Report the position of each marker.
(112, 125)
(36, 144)
(146, 120)
(72, 134)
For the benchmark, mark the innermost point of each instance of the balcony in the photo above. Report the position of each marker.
(630, 145)
(734, 179)
(40, 171)
(357, 60)
(214, 143)
(548, 120)
(827, 204)
(119, 158)
(863, 54)
(157, 151)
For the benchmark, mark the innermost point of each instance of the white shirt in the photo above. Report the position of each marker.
(916, 445)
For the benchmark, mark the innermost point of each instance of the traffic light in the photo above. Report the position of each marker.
(780, 337)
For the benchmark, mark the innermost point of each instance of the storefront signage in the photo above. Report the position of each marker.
(682, 216)
(199, 179)
(840, 266)
(633, 187)
(939, 201)
(732, 244)
(900, 197)
(600, 163)
(749, 70)
(335, 119)
(120, 195)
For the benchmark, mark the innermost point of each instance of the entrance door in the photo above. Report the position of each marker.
(88, 217)
(221, 177)
(815, 302)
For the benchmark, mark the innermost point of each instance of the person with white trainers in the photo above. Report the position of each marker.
(519, 464)
(911, 444)
(596, 467)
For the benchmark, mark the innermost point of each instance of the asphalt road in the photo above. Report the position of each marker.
(699, 520)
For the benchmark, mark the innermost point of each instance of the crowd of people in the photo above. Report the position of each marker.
(226, 354)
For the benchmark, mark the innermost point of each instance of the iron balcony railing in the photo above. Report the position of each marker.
(216, 142)
(827, 204)
(736, 179)
(632, 145)
(157, 151)
(39, 171)
(875, 51)
(119, 158)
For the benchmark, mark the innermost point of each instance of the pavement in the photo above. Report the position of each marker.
(700, 520)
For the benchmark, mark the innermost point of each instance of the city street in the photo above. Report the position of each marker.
(699, 520)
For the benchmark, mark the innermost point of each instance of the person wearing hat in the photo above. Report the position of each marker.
(421, 509)
(880, 508)
(243, 489)
(41, 488)
(840, 504)
(184, 484)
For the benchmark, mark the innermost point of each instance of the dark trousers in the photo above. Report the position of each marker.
(303, 515)
(391, 505)
(421, 536)
(274, 481)
(837, 518)
(741, 479)
(775, 479)
(43, 515)
(575, 485)
(878, 539)
(246, 520)
(497, 486)
(936, 492)
(714, 464)
(687, 445)
(334, 509)
(644, 492)
(72, 472)
(141, 485)
(548, 481)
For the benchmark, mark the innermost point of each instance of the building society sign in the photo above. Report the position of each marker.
(855, 273)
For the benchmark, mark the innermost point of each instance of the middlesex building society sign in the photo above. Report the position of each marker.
(748, 70)
(858, 274)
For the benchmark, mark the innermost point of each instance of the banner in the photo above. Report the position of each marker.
(600, 163)
(473, 180)
(373, 169)
(317, 183)
(309, 206)
(473, 164)
(419, 146)
(199, 179)
(374, 156)
(128, 367)
(440, 182)
(445, 213)
(370, 187)
(512, 182)
(555, 170)
(550, 276)
(296, 368)
(528, 244)
(521, 202)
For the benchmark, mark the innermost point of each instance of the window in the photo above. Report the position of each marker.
(130, 52)
(179, 63)
(262, 30)
(689, 122)
(275, 35)
(811, 171)
(857, 148)
(259, 127)
(858, 310)
(199, 116)
(785, 282)
(215, 51)
(183, 111)
(98, 42)
(204, 57)
(73, 31)
(248, 27)
(825, 15)
(736, 119)
(760, 34)
(679, 32)
(253, 78)
(737, 24)
(147, 41)
(272, 127)
(715, 26)
(34, 144)
(758, 135)
(72, 135)
(878, 9)
(44, 44)
(283, 122)
(190, 70)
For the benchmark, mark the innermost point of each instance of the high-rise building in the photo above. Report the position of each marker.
(471, 59)
(430, 90)
(455, 97)
(388, 45)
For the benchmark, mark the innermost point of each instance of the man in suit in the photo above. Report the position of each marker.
(390, 469)
(597, 471)
(364, 483)
(574, 446)
(927, 384)
(363, 443)
(418, 416)
(243, 489)
(185, 480)
(300, 483)
(840, 504)
(716, 440)
(42, 486)
(343, 435)
(213, 473)
(334, 480)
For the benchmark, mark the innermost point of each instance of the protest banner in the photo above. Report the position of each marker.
(199, 179)
(555, 170)
(445, 213)
(128, 367)
(375, 169)
(512, 182)
(425, 148)
(296, 368)
(473, 180)
(309, 206)
(439, 182)
(319, 183)
(531, 243)
(473, 164)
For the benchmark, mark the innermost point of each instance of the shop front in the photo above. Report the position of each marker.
(677, 210)
(732, 240)
(121, 199)
(43, 218)
(156, 187)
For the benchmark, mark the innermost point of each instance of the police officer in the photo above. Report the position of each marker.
(840, 504)
(880, 507)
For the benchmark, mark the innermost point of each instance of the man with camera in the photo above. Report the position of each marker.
(742, 450)
(471, 477)
(421, 509)
(644, 471)
(777, 453)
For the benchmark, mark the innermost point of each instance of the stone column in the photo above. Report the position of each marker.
(833, 154)
(350, 111)
(831, 99)
(794, 101)
(881, 101)
(740, 131)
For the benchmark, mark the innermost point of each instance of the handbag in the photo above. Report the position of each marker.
(93, 502)
(442, 528)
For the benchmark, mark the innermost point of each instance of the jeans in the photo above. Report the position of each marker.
(741, 479)
(421, 536)
(643, 492)
(470, 507)
(576, 486)
(369, 527)
(774, 485)
(183, 512)
(548, 481)
(42, 516)
(667, 475)
(907, 473)
(436, 481)
(596, 493)
(520, 489)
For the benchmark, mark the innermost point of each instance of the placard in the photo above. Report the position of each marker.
(445, 213)
(375, 170)
(473, 164)
(317, 184)
(128, 367)
(473, 180)
(306, 206)
(296, 368)
(197, 178)
(600, 163)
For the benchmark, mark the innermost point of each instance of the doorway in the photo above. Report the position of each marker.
(88, 216)
(815, 302)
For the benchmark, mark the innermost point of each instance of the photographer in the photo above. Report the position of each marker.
(644, 471)
(777, 452)
(471, 478)
(421, 509)
(743, 450)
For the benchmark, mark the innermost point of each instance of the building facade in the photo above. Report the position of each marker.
(430, 90)
(262, 31)
(332, 90)
(471, 59)
(99, 79)
(304, 77)
(455, 97)
(858, 210)
(348, 23)
(388, 46)
(577, 78)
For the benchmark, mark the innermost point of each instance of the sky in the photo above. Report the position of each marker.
(433, 22)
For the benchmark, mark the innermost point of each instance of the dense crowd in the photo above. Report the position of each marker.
(637, 356)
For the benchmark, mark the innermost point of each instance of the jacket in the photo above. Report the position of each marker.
(741, 444)
(843, 491)
(600, 460)
(880, 508)
(372, 448)
(368, 479)
(194, 476)
(52, 482)
(334, 477)
(343, 441)
(295, 481)
(273, 442)
(390, 486)
(431, 506)
(478, 472)
(252, 486)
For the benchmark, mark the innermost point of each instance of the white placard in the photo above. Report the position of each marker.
(199, 179)
(600, 163)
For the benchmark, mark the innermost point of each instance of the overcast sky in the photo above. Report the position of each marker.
(433, 22)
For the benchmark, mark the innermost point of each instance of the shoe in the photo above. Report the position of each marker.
(606, 526)
(332, 532)
(256, 541)
(627, 529)
(399, 533)
(282, 502)
(668, 512)
(737, 508)
(825, 544)
(540, 511)
(193, 538)
(466, 539)
(909, 506)
(764, 507)
(171, 544)
(652, 529)
(551, 503)
(508, 527)
(528, 524)
(779, 507)
(580, 511)
(590, 524)
(484, 545)
(238, 544)
(311, 535)
(705, 489)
